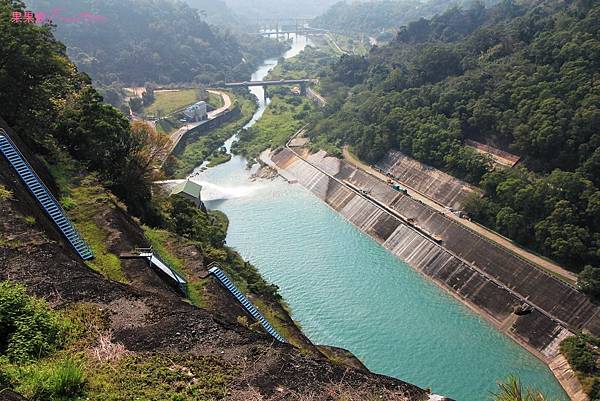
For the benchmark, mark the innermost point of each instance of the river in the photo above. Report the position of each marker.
(346, 290)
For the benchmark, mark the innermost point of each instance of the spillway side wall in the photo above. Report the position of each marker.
(486, 294)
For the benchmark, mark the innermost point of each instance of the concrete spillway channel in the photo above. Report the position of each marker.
(486, 277)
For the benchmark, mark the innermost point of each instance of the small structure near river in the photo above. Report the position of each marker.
(189, 190)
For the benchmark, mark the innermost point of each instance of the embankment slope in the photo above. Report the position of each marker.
(147, 316)
(482, 274)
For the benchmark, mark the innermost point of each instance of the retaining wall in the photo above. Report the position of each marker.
(487, 277)
(195, 133)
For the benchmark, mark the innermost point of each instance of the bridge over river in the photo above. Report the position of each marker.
(303, 83)
(285, 27)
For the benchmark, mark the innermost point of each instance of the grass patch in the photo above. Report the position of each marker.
(196, 152)
(82, 207)
(219, 158)
(277, 321)
(214, 100)
(30, 220)
(59, 378)
(167, 125)
(5, 194)
(281, 120)
(160, 239)
(168, 102)
(171, 377)
(70, 371)
(10, 243)
(62, 171)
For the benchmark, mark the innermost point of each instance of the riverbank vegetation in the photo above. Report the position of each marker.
(512, 390)
(208, 145)
(518, 77)
(312, 62)
(582, 353)
(283, 117)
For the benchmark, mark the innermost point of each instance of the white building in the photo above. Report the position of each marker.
(196, 112)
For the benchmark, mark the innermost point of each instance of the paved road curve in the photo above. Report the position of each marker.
(177, 135)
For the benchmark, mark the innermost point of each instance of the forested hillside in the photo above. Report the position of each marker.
(218, 13)
(161, 41)
(375, 16)
(524, 78)
(54, 107)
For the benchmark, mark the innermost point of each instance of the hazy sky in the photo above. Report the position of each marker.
(280, 8)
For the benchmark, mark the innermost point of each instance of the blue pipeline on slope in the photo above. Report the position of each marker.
(227, 283)
(39, 191)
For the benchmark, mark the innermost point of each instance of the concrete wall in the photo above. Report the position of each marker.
(433, 183)
(486, 277)
(193, 134)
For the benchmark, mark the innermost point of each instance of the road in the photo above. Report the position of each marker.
(484, 232)
(226, 103)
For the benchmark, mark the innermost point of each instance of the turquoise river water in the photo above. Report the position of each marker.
(346, 290)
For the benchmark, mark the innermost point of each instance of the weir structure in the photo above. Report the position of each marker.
(216, 271)
(43, 196)
(490, 279)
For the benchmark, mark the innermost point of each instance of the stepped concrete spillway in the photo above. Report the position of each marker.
(488, 278)
(435, 184)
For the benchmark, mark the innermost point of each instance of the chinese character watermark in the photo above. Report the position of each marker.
(39, 17)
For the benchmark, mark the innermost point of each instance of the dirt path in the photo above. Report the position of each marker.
(483, 232)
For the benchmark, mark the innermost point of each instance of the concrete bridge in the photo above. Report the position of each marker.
(303, 83)
(285, 27)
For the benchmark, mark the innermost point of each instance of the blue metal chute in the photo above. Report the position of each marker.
(39, 191)
(228, 284)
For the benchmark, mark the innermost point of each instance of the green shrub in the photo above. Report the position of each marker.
(594, 392)
(166, 377)
(579, 354)
(63, 379)
(68, 203)
(28, 329)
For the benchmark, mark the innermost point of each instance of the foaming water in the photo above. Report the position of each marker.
(346, 290)
(213, 192)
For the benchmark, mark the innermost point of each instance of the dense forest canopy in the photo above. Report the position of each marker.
(522, 77)
(218, 13)
(160, 41)
(373, 17)
(55, 109)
